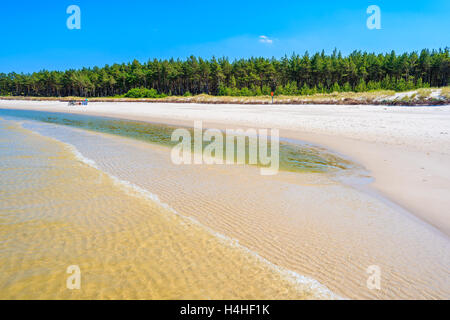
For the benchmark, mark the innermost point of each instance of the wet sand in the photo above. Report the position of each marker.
(311, 224)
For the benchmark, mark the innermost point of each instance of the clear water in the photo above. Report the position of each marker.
(293, 157)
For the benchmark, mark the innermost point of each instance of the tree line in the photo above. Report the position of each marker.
(295, 75)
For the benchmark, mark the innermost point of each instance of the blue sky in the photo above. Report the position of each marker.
(34, 35)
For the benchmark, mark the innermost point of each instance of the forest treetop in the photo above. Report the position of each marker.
(298, 74)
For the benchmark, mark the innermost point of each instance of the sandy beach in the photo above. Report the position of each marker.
(406, 149)
(310, 224)
(230, 165)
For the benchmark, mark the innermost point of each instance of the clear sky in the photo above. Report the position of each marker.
(34, 34)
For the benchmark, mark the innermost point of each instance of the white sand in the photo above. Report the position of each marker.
(406, 149)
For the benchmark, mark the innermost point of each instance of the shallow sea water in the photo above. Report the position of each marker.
(57, 211)
(302, 220)
(293, 157)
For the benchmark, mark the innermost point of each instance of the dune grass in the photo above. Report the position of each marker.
(446, 92)
(419, 96)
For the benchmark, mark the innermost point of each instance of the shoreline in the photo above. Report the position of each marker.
(305, 223)
(407, 171)
(132, 236)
